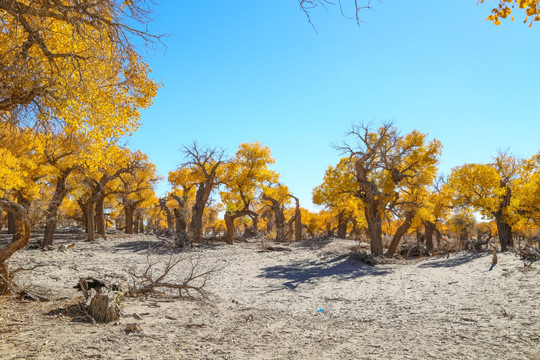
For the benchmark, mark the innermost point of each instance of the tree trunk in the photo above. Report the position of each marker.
(297, 221)
(11, 222)
(429, 230)
(100, 216)
(279, 218)
(90, 226)
(505, 232)
(504, 229)
(19, 214)
(229, 223)
(129, 218)
(84, 210)
(374, 230)
(51, 215)
(402, 230)
(201, 198)
(181, 224)
(342, 225)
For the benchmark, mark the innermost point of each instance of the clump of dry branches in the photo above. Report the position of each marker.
(159, 278)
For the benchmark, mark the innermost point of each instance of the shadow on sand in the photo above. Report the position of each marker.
(341, 267)
(454, 260)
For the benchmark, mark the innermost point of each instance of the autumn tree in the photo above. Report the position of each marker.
(71, 63)
(95, 181)
(436, 210)
(527, 191)
(134, 188)
(276, 197)
(246, 172)
(336, 194)
(487, 188)
(387, 167)
(183, 182)
(61, 154)
(207, 166)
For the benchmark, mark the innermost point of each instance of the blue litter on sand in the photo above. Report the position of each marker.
(320, 310)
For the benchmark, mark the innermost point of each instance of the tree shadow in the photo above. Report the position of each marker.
(157, 247)
(452, 261)
(342, 267)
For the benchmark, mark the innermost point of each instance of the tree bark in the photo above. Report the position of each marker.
(374, 230)
(505, 232)
(51, 215)
(503, 228)
(429, 230)
(129, 218)
(170, 219)
(342, 225)
(19, 213)
(229, 224)
(279, 217)
(297, 221)
(11, 222)
(90, 226)
(402, 230)
(100, 216)
(201, 198)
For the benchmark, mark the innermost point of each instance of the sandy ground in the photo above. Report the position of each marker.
(314, 302)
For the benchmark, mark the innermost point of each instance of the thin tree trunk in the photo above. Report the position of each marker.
(51, 217)
(402, 230)
(100, 216)
(90, 225)
(297, 221)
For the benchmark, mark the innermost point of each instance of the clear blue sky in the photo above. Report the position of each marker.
(239, 71)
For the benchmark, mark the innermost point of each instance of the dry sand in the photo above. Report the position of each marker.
(264, 305)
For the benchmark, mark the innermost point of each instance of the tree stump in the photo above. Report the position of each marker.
(103, 307)
(101, 303)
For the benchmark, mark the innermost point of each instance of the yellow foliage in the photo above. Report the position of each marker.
(507, 7)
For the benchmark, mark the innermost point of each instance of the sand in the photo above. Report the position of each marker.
(314, 302)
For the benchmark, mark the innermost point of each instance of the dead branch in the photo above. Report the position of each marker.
(191, 286)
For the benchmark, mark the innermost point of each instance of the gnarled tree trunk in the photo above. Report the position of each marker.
(279, 218)
(21, 239)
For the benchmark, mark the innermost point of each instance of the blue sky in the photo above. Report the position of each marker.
(239, 71)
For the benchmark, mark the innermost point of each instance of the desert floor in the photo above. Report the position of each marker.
(314, 302)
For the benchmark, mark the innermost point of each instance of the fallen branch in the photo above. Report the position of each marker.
(192, 286)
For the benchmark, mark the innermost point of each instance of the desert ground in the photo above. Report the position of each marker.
(316, 301)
